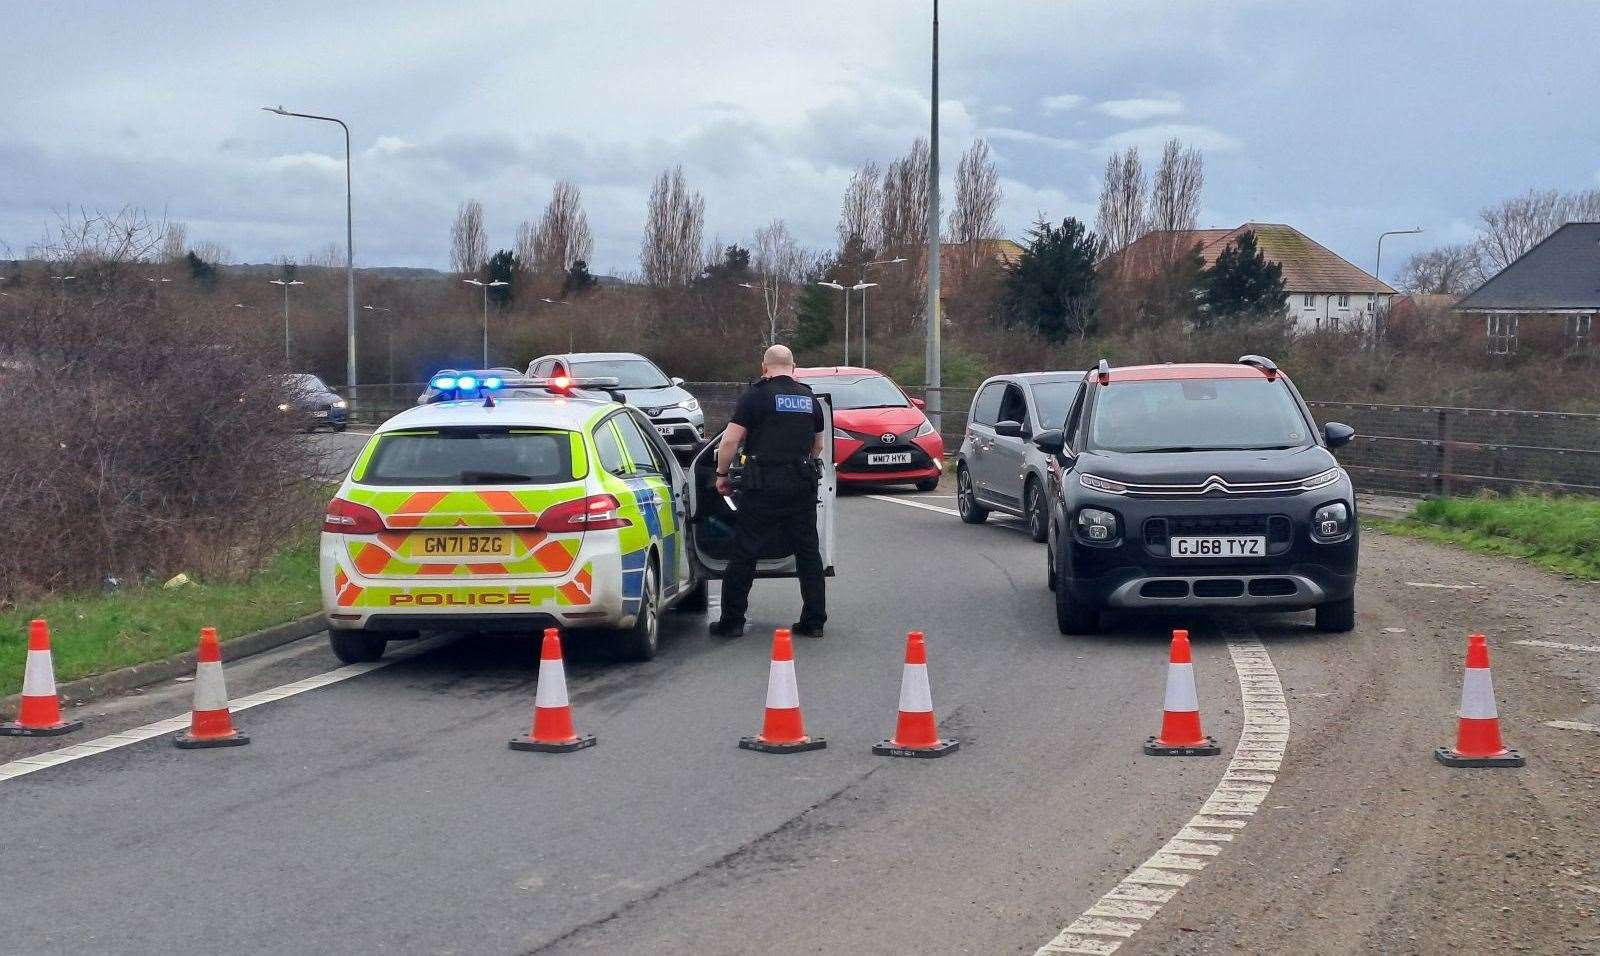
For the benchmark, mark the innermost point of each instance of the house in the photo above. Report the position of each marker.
(1325, 290)
(1549, 295)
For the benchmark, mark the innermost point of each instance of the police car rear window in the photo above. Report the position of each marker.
(471, 456)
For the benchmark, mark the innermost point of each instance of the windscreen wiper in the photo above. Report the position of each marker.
(489, 477)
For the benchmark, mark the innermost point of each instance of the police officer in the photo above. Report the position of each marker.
(779, 423)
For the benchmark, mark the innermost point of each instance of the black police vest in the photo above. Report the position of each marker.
(786, 429)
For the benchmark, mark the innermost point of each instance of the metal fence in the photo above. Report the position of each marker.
(1399, 449)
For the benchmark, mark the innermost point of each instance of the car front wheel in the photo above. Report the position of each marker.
(1337, 617)
(357, 647)
(966, 502)
(1073, 616)
(641, 641)
(1038, 529)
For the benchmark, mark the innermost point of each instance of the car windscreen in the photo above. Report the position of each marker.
(305, 382)
(869, 391)
(1197, 415)
(1053, 399)
(629, 373)
(471, 456)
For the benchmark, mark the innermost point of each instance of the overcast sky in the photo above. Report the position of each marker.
(1342, 119)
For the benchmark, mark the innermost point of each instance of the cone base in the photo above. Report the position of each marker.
(888, 748)
(15, 729)
(187, 742)
(1450, 758)
(1153, 747)
(794, 747)
(527, 743)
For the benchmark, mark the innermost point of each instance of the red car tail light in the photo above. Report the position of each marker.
(594, 513)
(347, 517)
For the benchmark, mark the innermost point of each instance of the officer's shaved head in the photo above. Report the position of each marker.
(777, 360)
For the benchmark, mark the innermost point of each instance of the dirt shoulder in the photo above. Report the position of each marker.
(1368, 844)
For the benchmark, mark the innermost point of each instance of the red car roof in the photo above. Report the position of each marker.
(1197, 370)
(834, 371)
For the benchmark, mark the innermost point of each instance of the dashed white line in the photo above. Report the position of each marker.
(55, 758)
(1123, 910)
(1589, 648)
(1573, 725)
(915, 504)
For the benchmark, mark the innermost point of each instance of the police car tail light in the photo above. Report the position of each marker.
(594, 513)
(347, 517)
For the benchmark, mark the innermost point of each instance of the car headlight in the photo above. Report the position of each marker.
(1097, 525)
(1330, 521)
(841, 433)
(338, 403)
(691, 405)
(284, 406)
(924, 431)
(1106, 485)
(1321, 479)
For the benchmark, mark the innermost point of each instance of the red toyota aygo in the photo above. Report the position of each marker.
(880, 435)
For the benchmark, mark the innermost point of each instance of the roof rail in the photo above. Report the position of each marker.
(1103, 371)
(1261, 362)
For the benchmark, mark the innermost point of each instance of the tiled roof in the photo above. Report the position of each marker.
(1562, 272)
(1308, 266)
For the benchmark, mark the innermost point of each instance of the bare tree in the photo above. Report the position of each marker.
(976, 216)
(211, 251)
(861, 213)
(781, 265)
(469, 243)
(905, 199)
(328, 256)
(562, 236)
(674, 230)
(1522, 222)
(1175, 193)
(1447, 270)
(174, 242)
(1121, 215)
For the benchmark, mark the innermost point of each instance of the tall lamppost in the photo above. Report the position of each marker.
(349, 244)
(389, 326)
(863, 285)
(569, 319)
(846, 290)
(931, 362)
(286, 283)
(769, 302)
(1377, 268)
(486, 286)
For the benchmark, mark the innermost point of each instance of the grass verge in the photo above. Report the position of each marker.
(1560, 534)
(95, 633)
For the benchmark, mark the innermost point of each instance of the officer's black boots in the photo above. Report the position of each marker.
(725, 628)
(803, 629)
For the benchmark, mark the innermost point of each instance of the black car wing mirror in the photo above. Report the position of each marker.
(1051, 441)
(1010, 429)
(1338, 434)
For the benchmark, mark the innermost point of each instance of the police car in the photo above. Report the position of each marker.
(510, 505)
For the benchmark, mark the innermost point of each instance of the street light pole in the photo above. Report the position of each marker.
(846, 290)
(569, 320)
(286, 283)
(932, 375)
(1377, 268)
(389, 327)
(486, 286)
(349, 243)
(862, 287)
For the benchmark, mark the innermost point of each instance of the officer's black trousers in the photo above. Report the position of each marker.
(771, 526)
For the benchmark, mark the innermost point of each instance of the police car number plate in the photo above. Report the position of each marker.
(459, 544)
(1218, 546)
(889, 458)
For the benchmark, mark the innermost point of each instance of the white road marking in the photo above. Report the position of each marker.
(1591, 648)
(1444, 587)
(54, 758)
(915, 504)
(1573, 725)
(1125, 908)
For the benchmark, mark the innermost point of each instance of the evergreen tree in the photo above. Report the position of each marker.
(578, 280)
(202, 272)
(502, 267)
(733, 268)
(1052, 286)
(1241, 286)
(813, 317)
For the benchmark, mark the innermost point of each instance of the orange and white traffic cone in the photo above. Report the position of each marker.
(782, 731)
(552, 713)
(1180, 716)
(916, 732)
(1478, 742)
(40, 712)
(211, 723)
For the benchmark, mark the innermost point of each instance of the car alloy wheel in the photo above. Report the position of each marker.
(1036, 525)
(966, 502)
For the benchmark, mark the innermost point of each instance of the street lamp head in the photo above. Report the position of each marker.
(498, 282)
(832, 285)
(862, 285)
(554, 301)
(276, 109)
(472, 282)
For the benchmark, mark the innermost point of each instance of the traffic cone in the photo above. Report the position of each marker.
(211, 724)
(916, 733)
(552, 713)
(40, 712)
(782, 732)
(1478, 742)
(1180, 716)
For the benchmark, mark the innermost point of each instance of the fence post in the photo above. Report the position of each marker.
(1443, 484)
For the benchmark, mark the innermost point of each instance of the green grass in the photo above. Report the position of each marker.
(1560, 534)
(95, 633)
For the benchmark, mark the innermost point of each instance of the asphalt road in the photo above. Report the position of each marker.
(385, 813)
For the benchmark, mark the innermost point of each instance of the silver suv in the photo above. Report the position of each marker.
(675, 413)
(998, 468)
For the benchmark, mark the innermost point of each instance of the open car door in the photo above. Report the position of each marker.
(713, 518)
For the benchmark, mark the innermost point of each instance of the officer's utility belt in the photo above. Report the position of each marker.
(779, 474)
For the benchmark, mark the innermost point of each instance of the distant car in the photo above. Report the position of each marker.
(675, 414)
(312, 403)
(1198, 486)
(999, 468)
(880, 435)
(437, 391)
